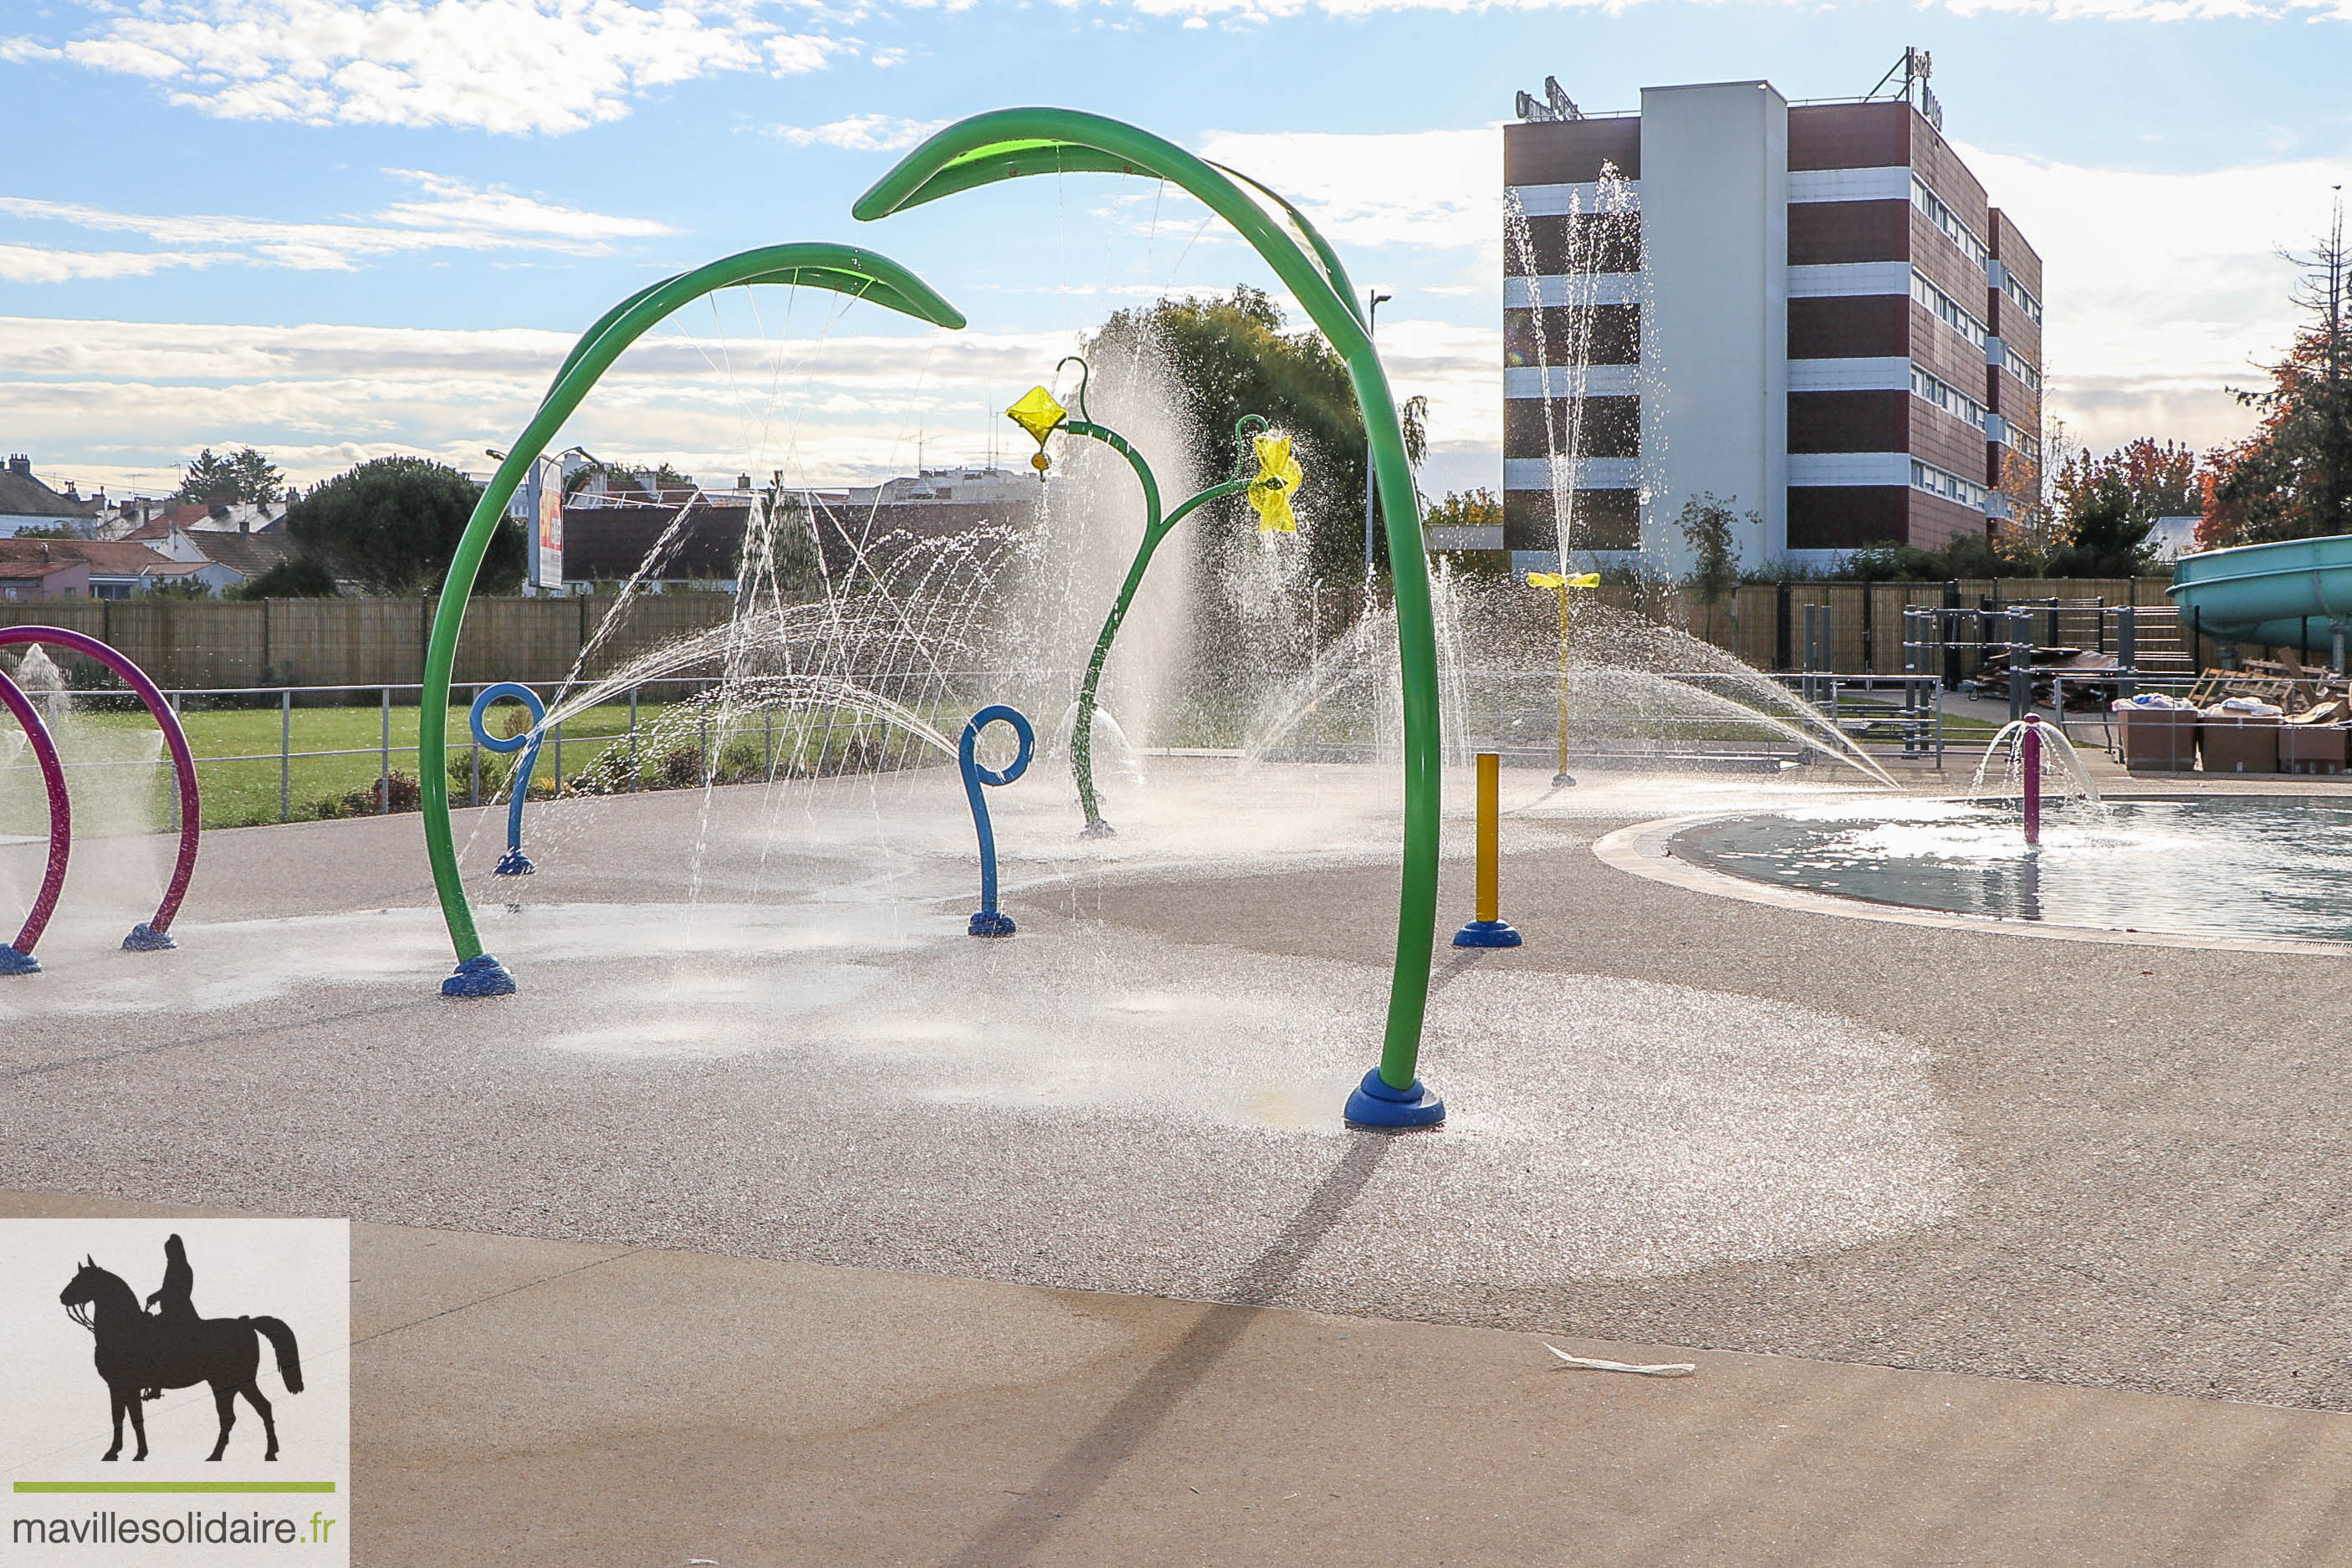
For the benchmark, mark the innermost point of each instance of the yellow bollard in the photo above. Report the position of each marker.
(1489, 930)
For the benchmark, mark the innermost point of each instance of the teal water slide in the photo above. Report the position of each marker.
(2293, 594)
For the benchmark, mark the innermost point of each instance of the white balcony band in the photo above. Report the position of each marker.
(1846, 279)
(1840, 468)
(1583, 474)
(1591, 289)
(1876, 374)
(1560, 201)
(1561, 381)
(1891, 183)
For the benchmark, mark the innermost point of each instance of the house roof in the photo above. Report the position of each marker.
(22, 496)
(109, 558)
(247, 555)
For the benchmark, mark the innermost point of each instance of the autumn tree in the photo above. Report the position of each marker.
(2292, 478)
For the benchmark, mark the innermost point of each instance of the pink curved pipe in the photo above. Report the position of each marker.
(182, 764)
(53, 773)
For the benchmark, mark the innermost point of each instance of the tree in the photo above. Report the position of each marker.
(1231, 357)
(1706, 522)
(2106, 525)
(1466, 509)
(2159, 479)
(245, 476)
(392, 524)
(296, 577)
(2292, 478)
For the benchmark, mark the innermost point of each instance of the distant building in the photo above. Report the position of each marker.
(2172, 537)
(612, 523)
(37, 571)
(138, 516)
(25, 502)
(198, 535)
(1809, 310)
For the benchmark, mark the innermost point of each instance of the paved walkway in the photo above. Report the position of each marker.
(534, 1401)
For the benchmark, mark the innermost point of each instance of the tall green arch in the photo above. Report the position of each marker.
(843, 269)
(1012, 143)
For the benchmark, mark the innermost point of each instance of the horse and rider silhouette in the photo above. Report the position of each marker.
(140, 1354)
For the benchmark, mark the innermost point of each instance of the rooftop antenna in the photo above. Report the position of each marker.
(1529, 108)
(1914, 67)
(1562, 107)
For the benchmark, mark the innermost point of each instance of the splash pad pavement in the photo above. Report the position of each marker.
(752, 1036)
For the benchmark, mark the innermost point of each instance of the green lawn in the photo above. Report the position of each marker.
(239, 775)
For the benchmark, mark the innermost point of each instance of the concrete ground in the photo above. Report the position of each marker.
(1988, 1249)
(537, 1402)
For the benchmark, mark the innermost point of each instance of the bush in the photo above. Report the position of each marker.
(403, 790)
(679, 767)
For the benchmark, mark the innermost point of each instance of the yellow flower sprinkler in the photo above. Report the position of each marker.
(1279, 478)
(1559, 583)
(1268, 491)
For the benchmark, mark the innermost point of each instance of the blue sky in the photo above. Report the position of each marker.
(336, 228)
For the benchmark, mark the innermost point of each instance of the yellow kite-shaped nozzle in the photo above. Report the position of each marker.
(1278, 477)
(1585, 579)
(1040, 415)
(1556, 580)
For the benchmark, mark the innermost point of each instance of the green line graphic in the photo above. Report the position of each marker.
(211, 1487)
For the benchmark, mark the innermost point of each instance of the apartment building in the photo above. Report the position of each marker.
(1809, 310)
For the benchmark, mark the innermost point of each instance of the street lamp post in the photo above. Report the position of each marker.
(1371, 325)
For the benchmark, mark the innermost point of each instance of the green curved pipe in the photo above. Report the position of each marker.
(1012, 143)
(1081, 730)
(845, 269)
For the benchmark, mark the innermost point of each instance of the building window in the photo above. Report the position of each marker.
(2014, 292)
(110, 590)
(1944, 218)
(1948, 398)
(1948, 310)
(1950, 486)
(2014, 363)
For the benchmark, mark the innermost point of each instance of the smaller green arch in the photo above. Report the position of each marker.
(851, 270)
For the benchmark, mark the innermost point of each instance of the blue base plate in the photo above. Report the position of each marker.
(1375, 1104)
(15, 963)
(991, 923)
(479, 977)
(145, 938)
(1487, 934)
(514, 863)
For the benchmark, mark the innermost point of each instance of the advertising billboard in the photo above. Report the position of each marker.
(547, 527)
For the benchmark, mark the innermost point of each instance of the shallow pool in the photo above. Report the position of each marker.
(2274, 866)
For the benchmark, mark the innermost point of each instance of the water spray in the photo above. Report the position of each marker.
(1269, 491)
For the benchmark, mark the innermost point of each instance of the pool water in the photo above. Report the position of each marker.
(2265, 866)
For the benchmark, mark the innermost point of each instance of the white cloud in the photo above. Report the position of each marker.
(34, 264)
(2161, 290)
(860, 134)
(1438, 189)
(123, 403)
(512, 66)
(447, 215)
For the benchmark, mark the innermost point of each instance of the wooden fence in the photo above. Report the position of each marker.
(188, 644)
